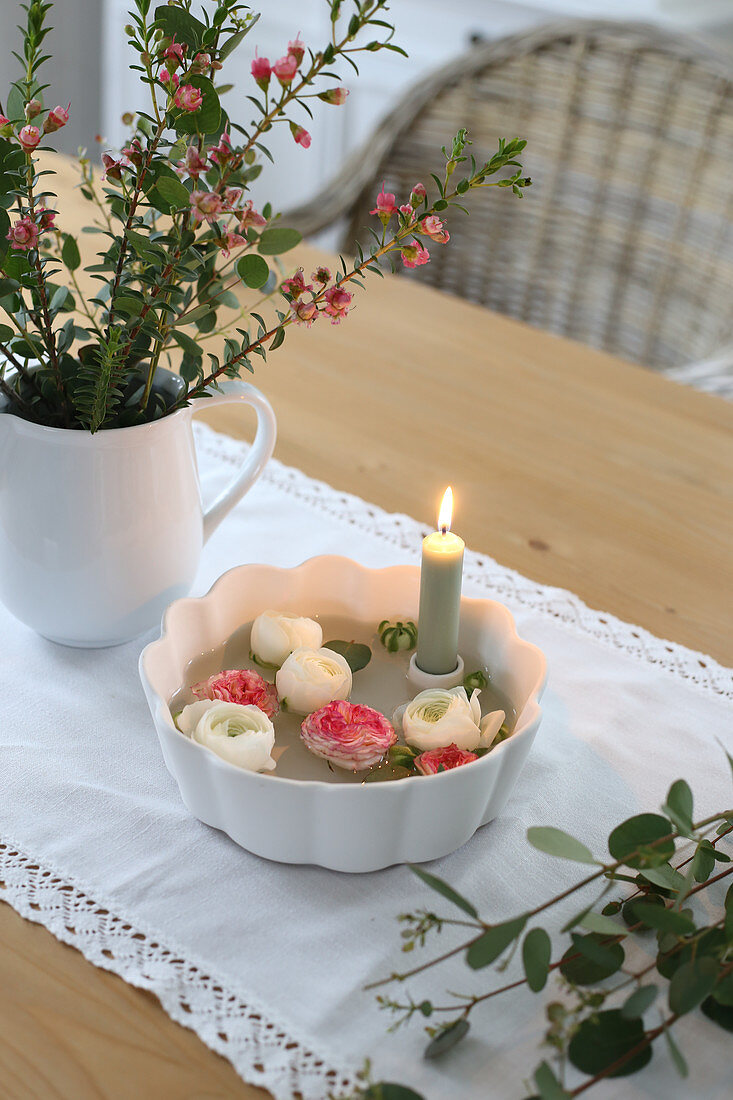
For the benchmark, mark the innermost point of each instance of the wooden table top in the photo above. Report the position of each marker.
(573, 467)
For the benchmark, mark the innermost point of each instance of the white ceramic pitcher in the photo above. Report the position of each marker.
(99, 533)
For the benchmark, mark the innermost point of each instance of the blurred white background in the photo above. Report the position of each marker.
(91, 65)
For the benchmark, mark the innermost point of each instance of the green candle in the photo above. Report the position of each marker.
(440, 596)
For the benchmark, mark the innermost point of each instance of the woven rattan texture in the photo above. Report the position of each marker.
(624, 240)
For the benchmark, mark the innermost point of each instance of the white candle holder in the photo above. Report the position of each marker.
(424, 680)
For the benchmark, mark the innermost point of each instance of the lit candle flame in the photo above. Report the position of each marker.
(446, 511)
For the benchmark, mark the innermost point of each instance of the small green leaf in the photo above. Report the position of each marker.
(173, 191)
(677, 1057)
(444, 889)
(678, 807)
(691, 983)
(253, 270)
(722, 1015)
(494, 942)
(638, 841)
(536, 952)
(278, 239)
(446, 1039)
(70, 253)
(556, 842)
(603, 1039)
(591, 959)
(277, 339)
(357, 654)
(662, 919)
(639, 1001)
(666, 877)
(548, 1084)
(596, 922)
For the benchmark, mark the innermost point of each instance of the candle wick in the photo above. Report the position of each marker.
(444, 530)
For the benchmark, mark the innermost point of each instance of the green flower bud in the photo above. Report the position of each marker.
(397, 637)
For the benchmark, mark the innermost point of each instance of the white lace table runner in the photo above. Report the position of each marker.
(267, 963)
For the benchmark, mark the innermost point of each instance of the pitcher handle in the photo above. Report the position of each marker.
(260, 451)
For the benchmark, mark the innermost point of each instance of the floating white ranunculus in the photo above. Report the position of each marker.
(310, 678)
(239, 733)
(446, 716)
(275, 634)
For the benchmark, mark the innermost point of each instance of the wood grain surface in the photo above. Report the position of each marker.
(574, 468)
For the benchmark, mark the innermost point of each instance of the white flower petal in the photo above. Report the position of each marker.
(310, 678)
(439, 717)
(243, 735)
(275, 634)
(490, 726)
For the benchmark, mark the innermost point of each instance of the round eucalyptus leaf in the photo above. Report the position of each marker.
(710, 943)
(591, 959)
(536, 952)
(631, 841)
(278, 239)
(691, 983)
(631, 916)
(253, 271)
(556, 842)
(448, 1038)
(722, 1015)
(357, 654)
(639, 1001)
(604, 1039)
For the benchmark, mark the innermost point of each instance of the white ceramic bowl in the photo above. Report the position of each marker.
(346, 827)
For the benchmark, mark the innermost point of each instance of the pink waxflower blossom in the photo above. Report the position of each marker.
(418, 194)
(170, 79)
(433, 227)
(321, 275)
(230, 241)
(349, 735)
(248, 216)
(5, 125)
(33, 108)
(173, 54)
(285, 69)
(414, 255)
(240, 685)
(335, 96)
(206, 206)
(193, 164)
(305, 313)
(188, 98)
(134, 152)
(221, 153)
(338, 301)
(23, 234)
(261, 71)
(46, 218)
(297, 48)
(113, 165)
(295, 285)
(232, 197)
(300, 135)
(407, 211)
(443, 760)
(29, 138)
(386, 205)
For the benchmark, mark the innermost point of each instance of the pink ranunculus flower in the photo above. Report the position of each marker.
(193, 164)
(188, 98)
(386, 205)
(240, 685)
(113, 165)
(305, 312)
(321, 275)
(29, 137)
(417, 194)
(349, 735)
(261, 71)
(338, 301)
(295, 285)
(430, 763)
(248, 216)
(206, 206)
(300, 135)
(170, 79)
(23, 234)
(285, 69)
(221, 153)
(297, 48)
(335, 96)
(433, 227)
(414, 255)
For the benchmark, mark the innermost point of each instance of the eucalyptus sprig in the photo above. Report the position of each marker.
(601, 1026)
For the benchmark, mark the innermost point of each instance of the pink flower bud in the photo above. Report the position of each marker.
(188, 98)
(321, 275)
(338, 301)
(173, 54)
(23, 235)
(222, 152)
(29, 138)
(285, 69)
(300, 135)
(202, 63)
(169, 79)
(55, 119)
(297, 49)
(32, 108)
(46, 218)
(6, 126)
(335, 96)
(305, 312)
(418, 194)
(261, 71)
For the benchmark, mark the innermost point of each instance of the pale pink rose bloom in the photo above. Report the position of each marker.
(295, 285)
(305, 312)
(113, 165)
(300, 135)
(188, 98)
(349, 735)
(248, 216)
(414, 255)
(193, 164)
(285, 69)
(338, 301)
(430, 763)
(433, 227)
(261, 71)
(206, 206)
(29, 138)
(297, 48)
(23, 234)
(240, 685)
(386, 205)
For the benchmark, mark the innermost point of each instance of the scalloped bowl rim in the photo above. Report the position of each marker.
(528, 714)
